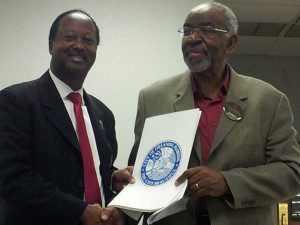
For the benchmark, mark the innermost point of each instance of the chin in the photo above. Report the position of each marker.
(198, 67)
(77, 67)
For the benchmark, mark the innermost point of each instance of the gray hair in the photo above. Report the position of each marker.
(231, 23)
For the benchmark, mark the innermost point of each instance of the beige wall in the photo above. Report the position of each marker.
(139, 45)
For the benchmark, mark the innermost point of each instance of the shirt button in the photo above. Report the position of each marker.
(213, 124)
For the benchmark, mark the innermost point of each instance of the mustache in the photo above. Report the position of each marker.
(196, 48)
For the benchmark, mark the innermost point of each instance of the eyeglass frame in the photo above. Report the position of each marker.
(213, 30)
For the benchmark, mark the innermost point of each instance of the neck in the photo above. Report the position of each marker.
(209, 82)
(73, 80)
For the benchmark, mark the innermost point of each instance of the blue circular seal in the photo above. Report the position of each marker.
(161, 163)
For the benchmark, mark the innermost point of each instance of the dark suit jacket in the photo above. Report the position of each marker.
(258, 156)
(41, 172)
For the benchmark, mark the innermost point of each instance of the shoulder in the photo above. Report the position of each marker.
(27, 89)
(262, 98)
(257, 87)
(258, 83)
(164, 86)
(23, 93)
(21, 88)
(99, 104)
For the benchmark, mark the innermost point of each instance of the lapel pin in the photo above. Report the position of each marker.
(233, 111)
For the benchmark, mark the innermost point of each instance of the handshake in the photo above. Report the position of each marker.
(96, 215)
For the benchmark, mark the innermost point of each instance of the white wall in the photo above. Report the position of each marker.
(139, 45)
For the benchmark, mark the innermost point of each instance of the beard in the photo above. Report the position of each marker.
(196, 64)
(198, 67)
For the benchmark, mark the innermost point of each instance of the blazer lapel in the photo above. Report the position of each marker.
(237, 95)
(104, 149)
(54, 109)
(96, 116)
(184, 94)
(185, 101)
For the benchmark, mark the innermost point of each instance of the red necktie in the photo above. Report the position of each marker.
(91, 185)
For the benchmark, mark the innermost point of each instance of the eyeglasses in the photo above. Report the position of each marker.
(186, 32)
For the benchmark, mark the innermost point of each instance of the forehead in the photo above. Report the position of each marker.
(77, 22)
(205, 15)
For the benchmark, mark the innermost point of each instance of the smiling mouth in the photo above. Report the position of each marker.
(195, 53)
(77, 58)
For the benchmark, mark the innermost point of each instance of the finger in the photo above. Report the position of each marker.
(128, 173)
(107, 213)
(130, 169)
(123, 175)
(117, 186)
(186, 175)
(181, 179)
(195, 179)
(112, 215)
(191, 190)
(198, 194)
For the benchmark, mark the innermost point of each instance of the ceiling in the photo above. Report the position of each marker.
(267, 27)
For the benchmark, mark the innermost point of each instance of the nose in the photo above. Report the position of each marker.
(196, 35)
(78, 43)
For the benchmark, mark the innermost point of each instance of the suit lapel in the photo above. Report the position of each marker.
(55, 110)
(184, 94)
(104, 149)
(97, 116)
(237, 95)
(185, 101)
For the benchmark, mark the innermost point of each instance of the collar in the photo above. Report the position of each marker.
(63, 89)
(223, 89)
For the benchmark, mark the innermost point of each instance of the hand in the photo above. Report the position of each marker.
(120, 178)
(112, 216)
(203, 181)
(92, 215)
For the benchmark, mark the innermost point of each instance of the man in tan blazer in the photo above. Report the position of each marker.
(245, 157)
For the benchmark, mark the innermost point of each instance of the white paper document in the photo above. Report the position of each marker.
(163, 155)
(175, 207)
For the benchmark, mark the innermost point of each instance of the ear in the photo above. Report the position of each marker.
(231, 43)
(50, 47)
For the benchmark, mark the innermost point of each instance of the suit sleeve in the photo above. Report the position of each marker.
(278, 179)
(21, 187)
(138, 129)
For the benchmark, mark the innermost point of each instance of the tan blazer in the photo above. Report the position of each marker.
(258, 156)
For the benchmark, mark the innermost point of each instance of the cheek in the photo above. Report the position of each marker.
(183, 43)
(183, 46)
(57, 49)
(92, 53)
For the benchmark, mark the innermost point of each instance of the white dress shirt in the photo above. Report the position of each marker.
(64, 90)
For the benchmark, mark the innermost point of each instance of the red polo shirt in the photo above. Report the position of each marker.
(211, 113)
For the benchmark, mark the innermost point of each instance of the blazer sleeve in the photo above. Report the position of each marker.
(21, 187)
(278, 179)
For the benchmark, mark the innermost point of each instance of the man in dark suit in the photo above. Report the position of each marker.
(245, 157)
(47, 174)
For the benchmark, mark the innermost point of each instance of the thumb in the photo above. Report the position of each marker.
(106, 214)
